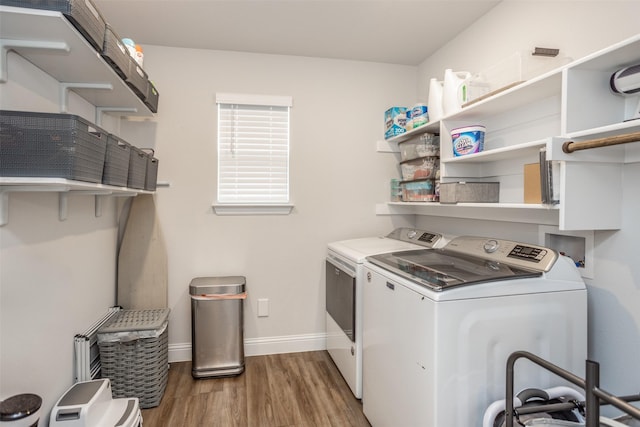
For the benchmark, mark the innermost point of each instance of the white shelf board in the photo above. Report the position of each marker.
(611, 58)
(431, 127)
(510, 212)
(536, 89)
(605, 131)
(81, 64)
(504, 153)
(63, 187)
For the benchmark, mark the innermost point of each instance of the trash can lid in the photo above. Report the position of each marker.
(217, 285)
(19, 406)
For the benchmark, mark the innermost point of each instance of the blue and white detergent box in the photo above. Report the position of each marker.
(395, 121)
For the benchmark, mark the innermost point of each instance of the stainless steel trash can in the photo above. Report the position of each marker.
(217, 326)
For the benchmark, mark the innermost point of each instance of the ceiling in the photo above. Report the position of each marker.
(389, 31)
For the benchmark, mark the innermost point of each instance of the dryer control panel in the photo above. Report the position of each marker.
(424, 238)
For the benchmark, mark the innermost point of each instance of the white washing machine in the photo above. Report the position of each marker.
(344, 280)
(439, 325)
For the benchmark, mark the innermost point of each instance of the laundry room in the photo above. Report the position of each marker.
(549, 92)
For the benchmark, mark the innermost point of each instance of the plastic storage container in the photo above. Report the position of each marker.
(116, 162)
(152, 97)
(420, 168)
(468, 140)
(137, 169)
(217, 326)
(115, 52)
(137, 79)
(50, 145)
(422, 190)
(134, 354)
(427, 144)
(151, 176)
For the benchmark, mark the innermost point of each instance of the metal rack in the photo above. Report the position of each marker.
(595, 396)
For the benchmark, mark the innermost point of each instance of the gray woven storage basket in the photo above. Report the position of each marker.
(134, 354)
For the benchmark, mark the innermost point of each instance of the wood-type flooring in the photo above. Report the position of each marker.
(279, 390)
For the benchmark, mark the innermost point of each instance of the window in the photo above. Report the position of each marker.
(253, 154)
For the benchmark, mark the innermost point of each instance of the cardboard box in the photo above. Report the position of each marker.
(395, 120)
(532, 192)
(469, 192)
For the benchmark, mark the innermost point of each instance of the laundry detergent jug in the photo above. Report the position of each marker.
(454, 90)
(434, 101)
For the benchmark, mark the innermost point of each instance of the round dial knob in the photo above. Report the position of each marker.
(490, 246)
(412, 234)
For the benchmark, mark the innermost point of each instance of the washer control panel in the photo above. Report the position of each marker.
(505, 251)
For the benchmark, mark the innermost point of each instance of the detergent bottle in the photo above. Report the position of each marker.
(435, 99)
(455, 91)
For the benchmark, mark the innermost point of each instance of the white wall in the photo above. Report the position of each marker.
(577, 28)
(336, 179)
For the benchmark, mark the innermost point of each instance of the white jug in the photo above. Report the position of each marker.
(435, 100)
(454, 90)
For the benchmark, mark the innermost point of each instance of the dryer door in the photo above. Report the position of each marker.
(341, 297)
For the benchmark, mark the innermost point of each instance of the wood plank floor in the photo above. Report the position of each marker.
(279, 390)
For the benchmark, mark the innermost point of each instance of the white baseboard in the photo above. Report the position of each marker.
(260, 346)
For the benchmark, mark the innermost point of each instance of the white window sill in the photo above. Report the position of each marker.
(252, 209)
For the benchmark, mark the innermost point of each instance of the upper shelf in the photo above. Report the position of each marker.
(69, 58)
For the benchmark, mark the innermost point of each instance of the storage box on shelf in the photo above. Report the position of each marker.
(137, 79)
(152, 97)
(419, 167)
(51, 145)
(151, 174)
(116, 163)
(427, 144)
(469, 192)
(419, 190)
(115, 53)
(137, 169)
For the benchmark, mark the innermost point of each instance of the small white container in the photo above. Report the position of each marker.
(419, 115)
(468, 140)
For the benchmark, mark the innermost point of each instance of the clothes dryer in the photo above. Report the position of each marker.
(344, 280)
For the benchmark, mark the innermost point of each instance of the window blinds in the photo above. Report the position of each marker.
(253, 149)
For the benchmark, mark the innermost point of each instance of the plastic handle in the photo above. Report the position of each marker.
(208, 297)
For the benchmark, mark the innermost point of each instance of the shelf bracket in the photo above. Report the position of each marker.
(4, 197)
(63, 206)
(101, 110)
(7, 44)
(65, 87)
(4, 207)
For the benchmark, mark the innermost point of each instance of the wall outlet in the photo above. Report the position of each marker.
(263, 307)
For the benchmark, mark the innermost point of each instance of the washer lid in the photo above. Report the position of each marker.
(399, 239)
(441, 269)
